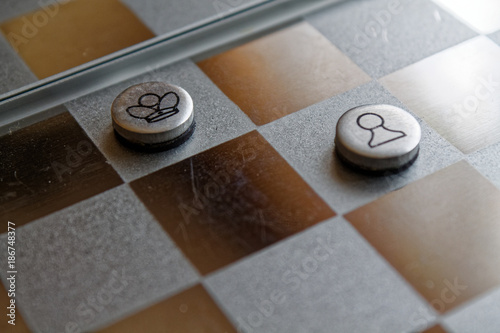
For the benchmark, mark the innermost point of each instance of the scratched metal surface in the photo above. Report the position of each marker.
(259, 228)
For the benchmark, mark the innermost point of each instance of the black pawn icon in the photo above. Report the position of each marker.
(380, 134)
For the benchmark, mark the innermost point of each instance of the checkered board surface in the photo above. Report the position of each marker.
(253, 225)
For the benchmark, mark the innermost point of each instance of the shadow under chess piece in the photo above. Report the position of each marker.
(380, 134)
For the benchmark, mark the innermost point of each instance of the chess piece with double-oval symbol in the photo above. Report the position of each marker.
(153, 116)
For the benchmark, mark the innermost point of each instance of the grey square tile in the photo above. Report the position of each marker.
(306, 140)
(487, 162)
(164, 17)
(380, 35)
(325, 278)
(216, 117)
(13, 72)
(496, 37)
(94, 262)
(481, 15)
(479, 316)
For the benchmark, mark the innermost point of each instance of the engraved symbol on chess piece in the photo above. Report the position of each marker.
(153, 108)
(380, 134)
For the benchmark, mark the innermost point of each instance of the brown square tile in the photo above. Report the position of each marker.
(20, 326)
(48, 166)
(435, 329)
(190, 311)
(441, 233)
(62, 36)
(230, 201)
(482, 15)
(283, 72)
(456, 91)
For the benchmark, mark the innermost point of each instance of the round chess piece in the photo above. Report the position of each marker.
(378, 138)
(153, 116)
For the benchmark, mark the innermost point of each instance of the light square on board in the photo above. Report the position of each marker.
(230, 201)
(382, 36)
(486, 161)
(166, 17)
(59, 36)
(93, 263)
(13, 71)
(456, 91)
(48, 166)
(441, 233)
(478, 316)
(192, 310)
(482, 15)
(217, 120)
(283, 72)
(496, 37)
(306, 140)
(328, 277)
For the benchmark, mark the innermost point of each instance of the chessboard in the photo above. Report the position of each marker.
(253, 224)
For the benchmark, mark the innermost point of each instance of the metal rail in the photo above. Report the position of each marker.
(30, 101)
